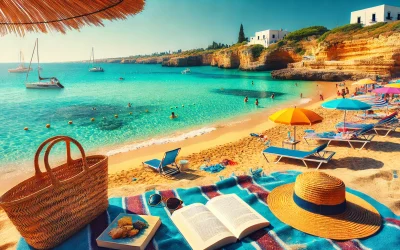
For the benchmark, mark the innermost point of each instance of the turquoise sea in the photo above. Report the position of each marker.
(205, 96)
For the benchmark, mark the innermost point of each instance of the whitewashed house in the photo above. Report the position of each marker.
(370, 16)
(268, 37)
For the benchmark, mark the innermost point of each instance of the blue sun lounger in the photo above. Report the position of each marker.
(318, 154)
(357, 136)
(168, 160)
(389, 123)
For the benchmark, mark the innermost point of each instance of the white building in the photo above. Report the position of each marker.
(268, 37)
(370, 16)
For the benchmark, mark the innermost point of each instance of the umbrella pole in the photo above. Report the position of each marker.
(344, 121)
(294, 134)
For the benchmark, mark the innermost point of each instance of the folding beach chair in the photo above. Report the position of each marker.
(358, 136)
(162, 166)
(318, 154)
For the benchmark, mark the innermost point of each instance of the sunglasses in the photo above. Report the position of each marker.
(171, 203)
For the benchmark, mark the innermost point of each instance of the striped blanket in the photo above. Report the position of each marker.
(254, 191)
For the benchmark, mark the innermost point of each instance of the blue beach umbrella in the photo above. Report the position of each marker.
(346, 104)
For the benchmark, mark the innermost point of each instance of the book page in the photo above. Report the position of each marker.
(201, 228)
(237, 215)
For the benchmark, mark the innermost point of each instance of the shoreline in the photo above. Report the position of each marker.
(227, 130)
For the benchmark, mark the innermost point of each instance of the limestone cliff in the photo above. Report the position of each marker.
(343, 58)
(188, 60)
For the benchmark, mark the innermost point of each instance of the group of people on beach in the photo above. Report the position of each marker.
(343, 92)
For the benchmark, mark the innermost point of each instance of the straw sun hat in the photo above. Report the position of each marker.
(318, 204)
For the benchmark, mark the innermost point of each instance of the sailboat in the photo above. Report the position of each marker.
(21, 68)
(44, 82)
(94, 68)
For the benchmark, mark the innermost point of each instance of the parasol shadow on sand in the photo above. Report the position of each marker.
(22, 16)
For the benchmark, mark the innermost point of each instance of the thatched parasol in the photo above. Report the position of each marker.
(20, 16)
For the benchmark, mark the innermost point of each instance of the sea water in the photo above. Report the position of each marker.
(199, 99)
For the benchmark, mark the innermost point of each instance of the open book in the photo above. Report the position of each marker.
(223, 220)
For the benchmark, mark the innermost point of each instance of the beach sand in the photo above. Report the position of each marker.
(368, 170)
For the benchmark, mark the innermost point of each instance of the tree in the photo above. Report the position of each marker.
(242, 37)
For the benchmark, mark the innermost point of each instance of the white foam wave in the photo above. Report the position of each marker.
(305, 100)
(163, 140)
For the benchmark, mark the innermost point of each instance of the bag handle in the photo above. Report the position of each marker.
(54, 140)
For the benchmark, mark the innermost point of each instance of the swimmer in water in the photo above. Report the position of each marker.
(246, 99)
(94, 108)
(252, 82)
(273, 96)
(129, 105)
(301, 95)
(121, 78)
(173, 116)
(256, 102)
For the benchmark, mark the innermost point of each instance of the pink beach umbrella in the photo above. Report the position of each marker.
(387, 91)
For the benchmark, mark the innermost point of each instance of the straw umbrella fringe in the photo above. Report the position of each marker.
(21, 16)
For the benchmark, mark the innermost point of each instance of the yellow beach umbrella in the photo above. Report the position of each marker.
(364, 81)
(393, 85)
(296, 116)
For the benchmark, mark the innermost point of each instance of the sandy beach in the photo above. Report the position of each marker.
(368, 170)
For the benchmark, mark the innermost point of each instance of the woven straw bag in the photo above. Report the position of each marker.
(51, 206)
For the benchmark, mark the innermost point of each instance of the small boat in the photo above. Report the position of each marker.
(44, 82)
(21, 68)
(94, 68)
(186, 71)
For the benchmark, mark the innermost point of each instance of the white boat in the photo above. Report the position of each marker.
(94, 68)
(21, 68)
(186, 71)
(44, 82)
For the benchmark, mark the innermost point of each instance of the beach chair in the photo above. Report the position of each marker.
(162, 166)
(358, 136)
(318, 154)
(388, 124)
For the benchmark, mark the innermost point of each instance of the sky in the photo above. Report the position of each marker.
(169, 25)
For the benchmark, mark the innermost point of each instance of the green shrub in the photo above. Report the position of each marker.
(373, 27)
(306, 32)
(347, 28)
(281, 43)
(256, 50)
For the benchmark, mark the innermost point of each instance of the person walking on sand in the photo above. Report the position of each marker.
(343, 93)
(338, 93)
(321, 97)
(301, 95)
(347, 91)
(257, 102)
(246, 99)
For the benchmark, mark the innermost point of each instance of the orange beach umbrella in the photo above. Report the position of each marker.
(21, 16)
(296, 116)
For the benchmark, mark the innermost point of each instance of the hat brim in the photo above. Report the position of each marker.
(359, 220)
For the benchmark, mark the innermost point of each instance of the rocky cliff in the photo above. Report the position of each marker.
(189, 60)
(349, 59)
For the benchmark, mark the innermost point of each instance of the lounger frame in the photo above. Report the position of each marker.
(364, 139)
(320, 157)
(162, 170)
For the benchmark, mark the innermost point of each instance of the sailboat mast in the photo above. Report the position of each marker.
(93, 57)
(38, 63)
(30, 62)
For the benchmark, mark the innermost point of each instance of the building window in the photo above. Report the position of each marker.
(273, 36)
(258, 37)
(373, 17)
(359, 19)
(398, 16)
(263, 36)
(389, 17)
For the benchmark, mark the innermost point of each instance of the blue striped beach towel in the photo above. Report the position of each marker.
(254, 191)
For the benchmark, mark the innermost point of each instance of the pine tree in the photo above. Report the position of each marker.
(242, 37)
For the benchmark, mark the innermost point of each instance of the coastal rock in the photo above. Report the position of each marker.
(319, 75)
(190, 60)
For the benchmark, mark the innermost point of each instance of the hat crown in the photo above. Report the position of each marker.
(320, 188)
